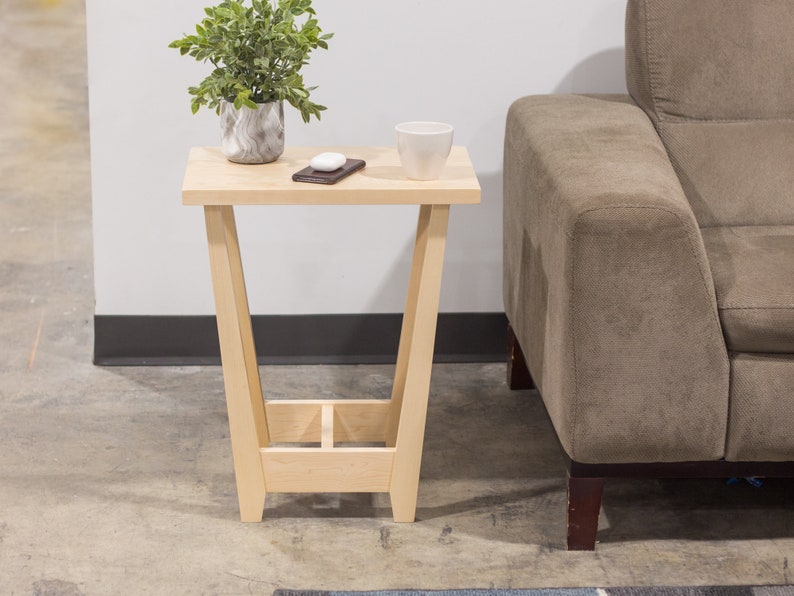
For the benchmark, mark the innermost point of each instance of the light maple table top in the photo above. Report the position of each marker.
(210, 179)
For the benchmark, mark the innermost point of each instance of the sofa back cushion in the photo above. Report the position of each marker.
(716, 77)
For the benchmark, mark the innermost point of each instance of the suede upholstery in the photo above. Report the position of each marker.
(642, 234)
(711, 60)
(607, 284)
(762, 416)
(717, 79)
(753, 269)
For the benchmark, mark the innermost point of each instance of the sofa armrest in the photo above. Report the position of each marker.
(607, 284)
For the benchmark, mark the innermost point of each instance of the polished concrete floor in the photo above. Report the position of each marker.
(119, 480)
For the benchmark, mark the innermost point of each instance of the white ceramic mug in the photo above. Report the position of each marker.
(423, 148)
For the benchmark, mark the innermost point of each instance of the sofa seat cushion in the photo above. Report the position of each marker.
(753, 270)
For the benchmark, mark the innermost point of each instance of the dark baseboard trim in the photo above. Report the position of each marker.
(292, 339)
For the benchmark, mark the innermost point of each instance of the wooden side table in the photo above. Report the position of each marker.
(259, 428)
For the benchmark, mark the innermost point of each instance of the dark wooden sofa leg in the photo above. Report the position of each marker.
(584, 505)
(518, 376)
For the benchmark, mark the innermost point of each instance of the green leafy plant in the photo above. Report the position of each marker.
(257, 51)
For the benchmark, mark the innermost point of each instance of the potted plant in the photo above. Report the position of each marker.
(258, 49)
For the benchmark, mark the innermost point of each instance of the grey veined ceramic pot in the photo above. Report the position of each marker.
(252, 135)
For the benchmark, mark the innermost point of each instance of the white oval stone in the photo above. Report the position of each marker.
(328, 161)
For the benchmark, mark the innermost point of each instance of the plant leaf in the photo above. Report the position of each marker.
(257, 48)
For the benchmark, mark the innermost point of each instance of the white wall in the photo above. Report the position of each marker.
(460, 61)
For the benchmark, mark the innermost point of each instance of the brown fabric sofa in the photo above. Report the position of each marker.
(649, 253)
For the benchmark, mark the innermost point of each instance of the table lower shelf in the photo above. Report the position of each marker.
(333, 466)
(328, 469)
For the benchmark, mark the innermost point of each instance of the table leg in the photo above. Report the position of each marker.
(406, 424)
(247, 422)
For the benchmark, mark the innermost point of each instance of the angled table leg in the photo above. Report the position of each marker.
(406, 423)
(247, 423)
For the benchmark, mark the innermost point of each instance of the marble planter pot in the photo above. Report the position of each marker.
(252, 136)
